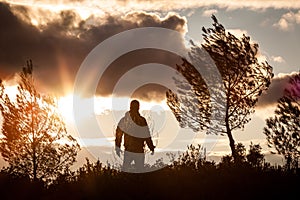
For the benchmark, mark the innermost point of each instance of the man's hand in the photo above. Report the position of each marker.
(118, 151)
(152, 150)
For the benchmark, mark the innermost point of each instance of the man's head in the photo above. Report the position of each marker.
(134, 106)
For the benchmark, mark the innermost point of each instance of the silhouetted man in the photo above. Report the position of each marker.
(136, 133)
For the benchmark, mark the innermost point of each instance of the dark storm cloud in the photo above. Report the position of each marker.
(126, 62)
(20, 41)
(275, 91)
(150, 92)
(59, 46)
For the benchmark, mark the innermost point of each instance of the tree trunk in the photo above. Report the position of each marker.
(231, 144)
(34, 166)
(230, 137)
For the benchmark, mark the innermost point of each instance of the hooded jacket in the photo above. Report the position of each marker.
(136, 133)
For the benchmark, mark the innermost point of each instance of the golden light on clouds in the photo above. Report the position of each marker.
(44, 11)
(164, 5)
(288, 21)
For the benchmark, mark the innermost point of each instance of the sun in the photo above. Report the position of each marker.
(65, 107)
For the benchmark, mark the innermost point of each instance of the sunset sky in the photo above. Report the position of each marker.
(59, 34)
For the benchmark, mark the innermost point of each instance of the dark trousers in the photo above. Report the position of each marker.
(138, 158)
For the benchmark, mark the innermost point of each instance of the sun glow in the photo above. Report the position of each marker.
(65, 107)
(101, 105)
(11, 91)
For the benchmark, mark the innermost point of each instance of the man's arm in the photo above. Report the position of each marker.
(149, 141)
(119, 134)
(118, 141)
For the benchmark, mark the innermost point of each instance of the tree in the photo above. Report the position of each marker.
(244, 79)
(240, 157)
(283, 130)
(35, 141)
(240, 153)
(255, 157)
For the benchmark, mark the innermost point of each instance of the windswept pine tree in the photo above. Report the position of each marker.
(283, 130)
(244, 79)
(35, 142)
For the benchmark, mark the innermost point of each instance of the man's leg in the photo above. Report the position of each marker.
(139, 161)
(127, 161)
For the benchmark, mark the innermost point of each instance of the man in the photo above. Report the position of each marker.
(136, 133)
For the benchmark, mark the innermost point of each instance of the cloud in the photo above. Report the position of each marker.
(120, 72)
(208, 13)
(238, 32)
(58, 38)
(288, 21)
(277, 59)
(59, 46)
(275, 91)
(230, 4)
(99, 7)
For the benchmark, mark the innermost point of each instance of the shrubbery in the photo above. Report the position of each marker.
(190, 176)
